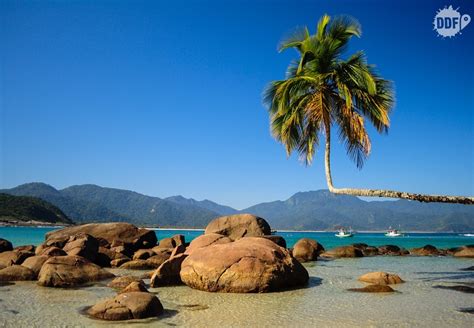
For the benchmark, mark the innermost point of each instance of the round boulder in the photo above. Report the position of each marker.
(17, 273)
(127, 306)
(244, 266)
(238, 226)
(70, 271)
(307, 249)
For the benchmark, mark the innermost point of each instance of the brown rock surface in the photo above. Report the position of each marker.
(247, 265)
(14, 257)
(169, 272)
(83, 245)
(69, 271)
(5, 245)
(35, 263)
(427, 250)
(126, 306)
(238, 226)
(373, 289)
(343, 251)
(172, 242)
(380, 278)
(207, 240)
(143, 254)
(307, 249)
(16, 273)
(123, 281)
(465, 251)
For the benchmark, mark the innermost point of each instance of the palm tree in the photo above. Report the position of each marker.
(322, 90)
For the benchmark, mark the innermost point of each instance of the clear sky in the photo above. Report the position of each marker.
(164, 97)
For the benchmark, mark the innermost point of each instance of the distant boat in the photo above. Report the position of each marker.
(393, 233)
(468, 235)
(343, 233)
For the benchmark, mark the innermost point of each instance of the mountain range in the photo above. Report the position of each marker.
(312, 210)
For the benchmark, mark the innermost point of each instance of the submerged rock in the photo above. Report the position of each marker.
(127, 306)
(124, 281)
(169, 272)
(307, 249)
(380, 278)
(70, 271)
(427, 250)
(238, 226)
(465, 251)
(459, 288)
(373, 289)
(247, 265)
(16, 273)
(343, 251)
(390, 250)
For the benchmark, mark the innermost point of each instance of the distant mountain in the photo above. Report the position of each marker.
(206, 204)
(23, 209)
(322, 210)
(312, 210)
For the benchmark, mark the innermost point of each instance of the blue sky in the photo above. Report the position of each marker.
(164, 97)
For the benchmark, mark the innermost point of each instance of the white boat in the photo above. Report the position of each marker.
(343, 233)
(393, 233)
(468, 235)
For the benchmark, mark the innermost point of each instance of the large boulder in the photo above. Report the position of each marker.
(244, 266)
(109, 235)
(238, 226)
(307, 249)
(465, 251)
(16, 273)
(169, 272)
(207, 240)
(14, 257)
(373, 289)
(172, 242)
(35, 263)
(5, 245)
(127, 306)
(70, 271)
(83, 245)
(380, 278)
(427, 250)
(343, 251)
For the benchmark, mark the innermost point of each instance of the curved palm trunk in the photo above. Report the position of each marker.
(385, 193)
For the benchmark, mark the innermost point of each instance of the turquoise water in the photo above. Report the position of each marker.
(35, 235)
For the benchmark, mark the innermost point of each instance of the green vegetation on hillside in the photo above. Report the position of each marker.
(24, 208)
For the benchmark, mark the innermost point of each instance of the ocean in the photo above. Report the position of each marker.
(325, 302)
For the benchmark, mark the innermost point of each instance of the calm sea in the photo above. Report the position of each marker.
(35, 236)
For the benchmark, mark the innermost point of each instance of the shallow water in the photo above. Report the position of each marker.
(325, 302)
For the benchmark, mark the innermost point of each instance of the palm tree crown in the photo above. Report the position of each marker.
(322, 89)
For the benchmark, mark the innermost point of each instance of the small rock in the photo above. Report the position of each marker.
(123, 281)
(373, 289)
(118, 262)
(143, 254)
(172, 242)
(307, 249)
(127, 306)
(137, 265)
(380, 278)
(134, 286)
(17, 273)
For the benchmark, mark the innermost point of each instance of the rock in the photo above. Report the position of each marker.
(105, 256)
(389, 250)
(172, 242)
(307, 249)
(207, 240)
(118, 262)
(459, 288)
(69, 271)
(83, 245)
(110, 235)
(35, 263)
(178, 250)
(5, 245)
(279, 240)
(25, 248)
(464, 251)
(427, 250)
(134, 286)
(343, 251)
(16, 273)
(162, 250)
(366, 249)
(169, 272)
(247, 265)
(380, 278)
(137, 265)
(127, 306)
(52, 251)
(143, 254)
(13, 257)
(238, 226)
(124, 281)
(373, 289)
